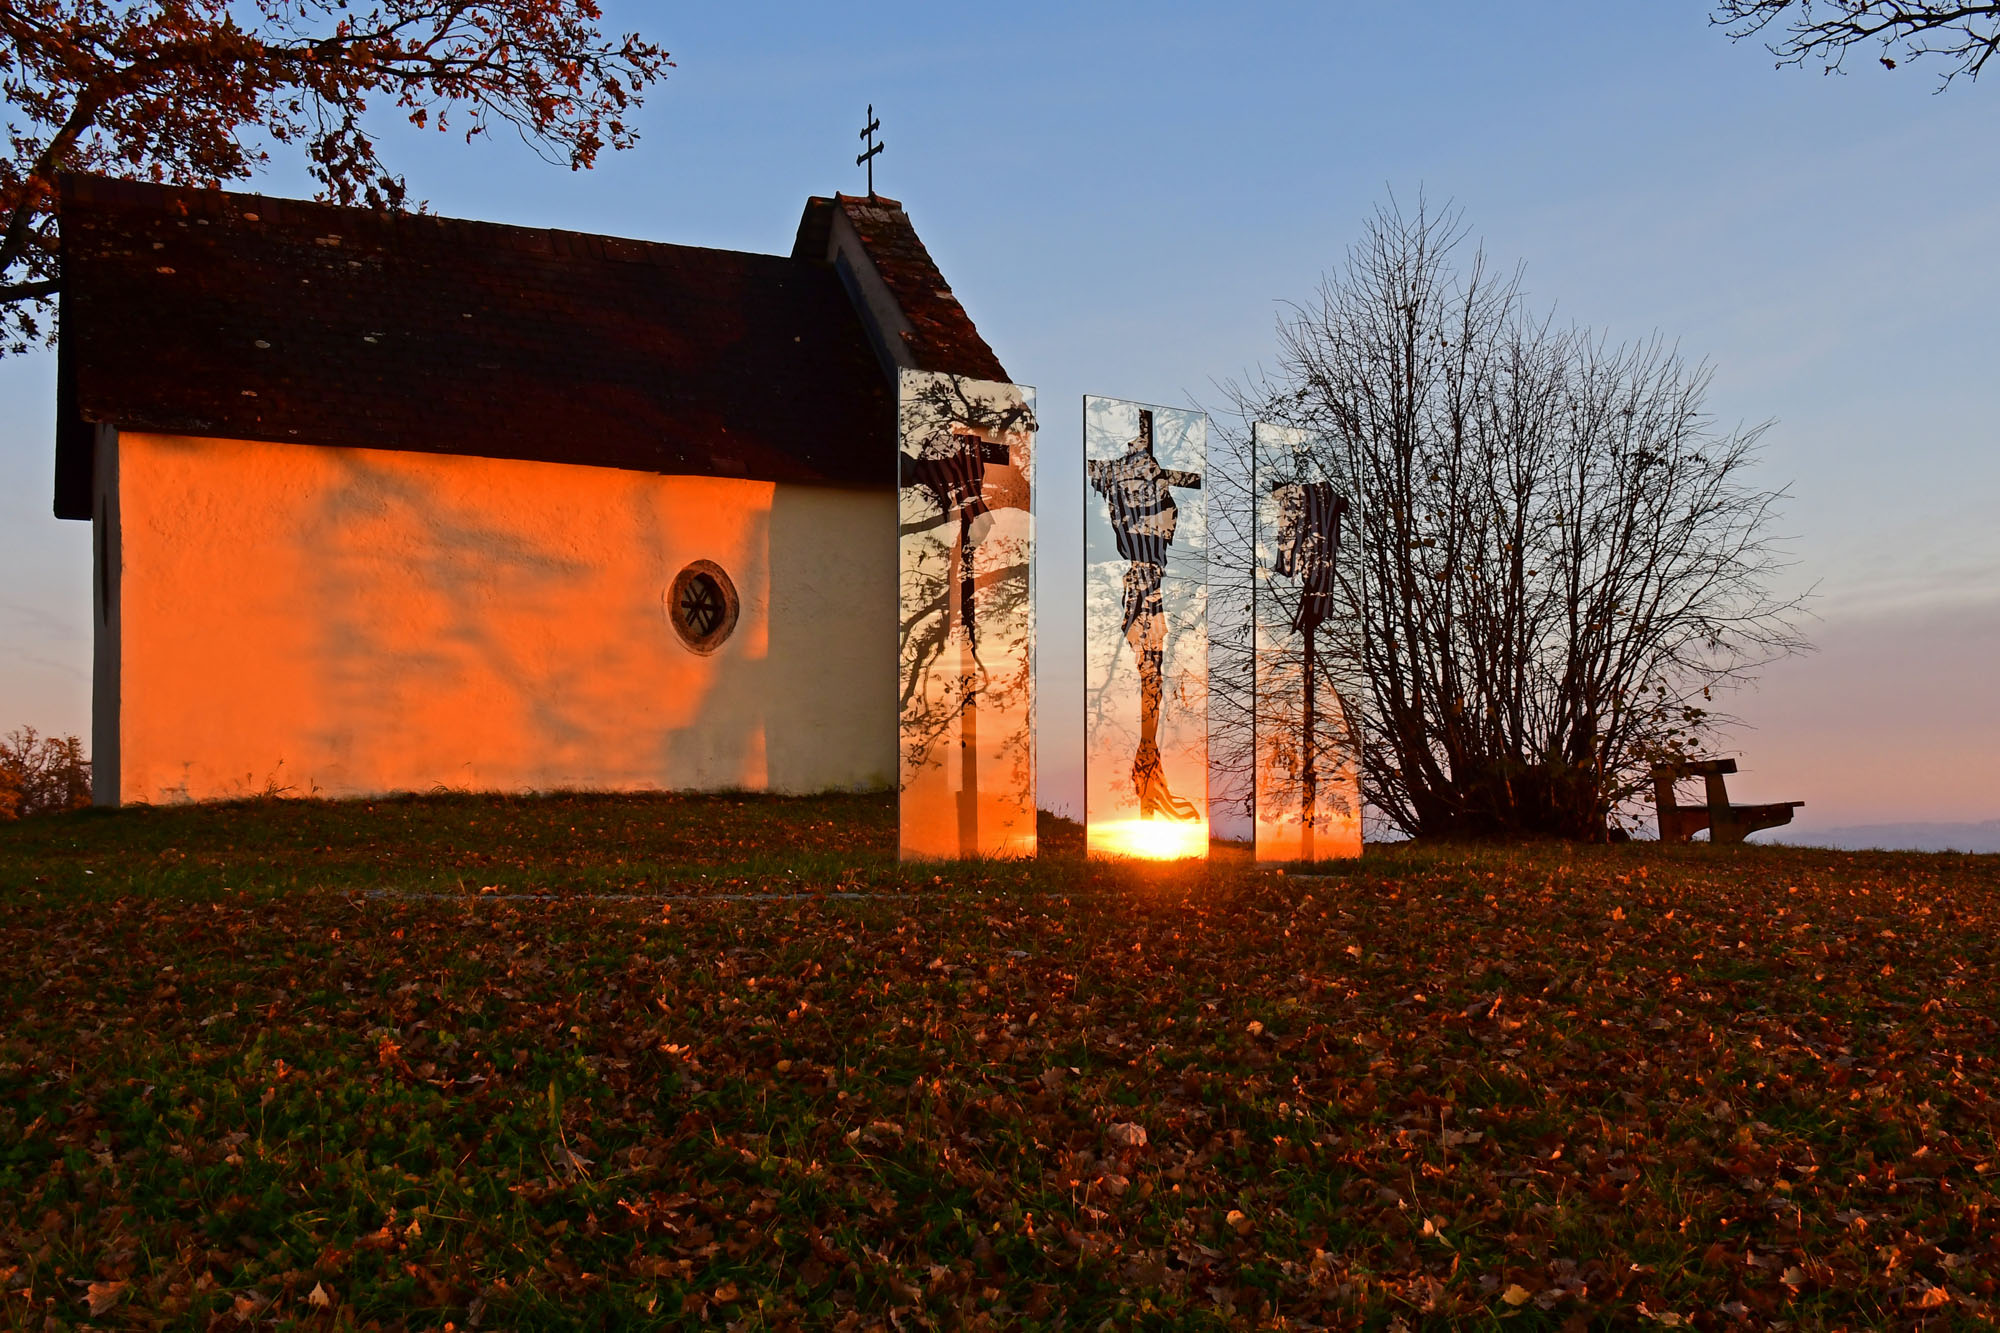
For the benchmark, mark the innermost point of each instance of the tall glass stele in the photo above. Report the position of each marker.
(1306, 603)
(965, 577)
(1145, 630)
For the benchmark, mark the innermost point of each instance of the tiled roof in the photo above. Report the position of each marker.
(942, 336)
(200, 312)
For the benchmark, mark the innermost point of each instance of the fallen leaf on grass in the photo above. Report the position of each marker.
(1127, 1135)
(103, 1295)
(1516, 1294)
(319, 1296)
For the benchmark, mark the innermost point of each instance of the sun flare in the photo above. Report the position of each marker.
(1148, 839)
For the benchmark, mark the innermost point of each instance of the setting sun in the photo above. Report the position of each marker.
(1148, 839)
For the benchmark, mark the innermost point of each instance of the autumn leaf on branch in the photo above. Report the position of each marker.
(185, 92)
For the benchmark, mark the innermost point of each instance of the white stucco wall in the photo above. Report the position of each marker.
(350, 622)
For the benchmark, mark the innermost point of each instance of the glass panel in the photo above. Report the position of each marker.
(967, 661)
(1145, 630)
(1306, 596)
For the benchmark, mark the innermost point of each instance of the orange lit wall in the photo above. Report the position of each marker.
(351, 621)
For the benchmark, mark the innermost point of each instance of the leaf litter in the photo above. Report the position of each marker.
(1560, 1085)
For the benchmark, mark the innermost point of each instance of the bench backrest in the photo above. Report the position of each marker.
(1693, 768)
(1710, 771)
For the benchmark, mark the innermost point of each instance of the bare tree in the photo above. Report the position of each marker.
(1964, 36)
(1562, 557)
(188, 91)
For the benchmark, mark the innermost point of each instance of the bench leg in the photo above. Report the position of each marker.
(1679, 823)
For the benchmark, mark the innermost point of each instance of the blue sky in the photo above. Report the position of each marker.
(1124, 196)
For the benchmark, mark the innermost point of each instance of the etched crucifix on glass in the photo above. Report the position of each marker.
(965, 571)
(1306, 600)
(1145, 631)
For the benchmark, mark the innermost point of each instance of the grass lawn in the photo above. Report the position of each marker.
(594, 1061)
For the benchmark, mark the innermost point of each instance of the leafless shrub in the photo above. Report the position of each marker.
(1562, 556)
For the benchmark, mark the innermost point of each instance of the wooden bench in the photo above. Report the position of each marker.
(1724, 822)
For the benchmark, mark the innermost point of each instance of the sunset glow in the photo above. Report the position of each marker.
(1148, 839)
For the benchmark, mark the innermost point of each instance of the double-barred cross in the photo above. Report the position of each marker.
(868, 157)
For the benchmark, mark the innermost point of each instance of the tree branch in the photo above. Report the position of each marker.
(30, 291)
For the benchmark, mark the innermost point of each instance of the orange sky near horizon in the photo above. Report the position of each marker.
(1894, 718)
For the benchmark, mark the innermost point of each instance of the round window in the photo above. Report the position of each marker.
(702, 606)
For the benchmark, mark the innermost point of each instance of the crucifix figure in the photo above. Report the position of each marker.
(1309, 516)
(868, 136)
(967, 480)
(1144, 517)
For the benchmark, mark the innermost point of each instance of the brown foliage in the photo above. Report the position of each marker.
(182, 91)
(42, 775)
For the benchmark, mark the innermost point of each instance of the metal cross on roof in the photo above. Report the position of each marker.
(873, 148)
